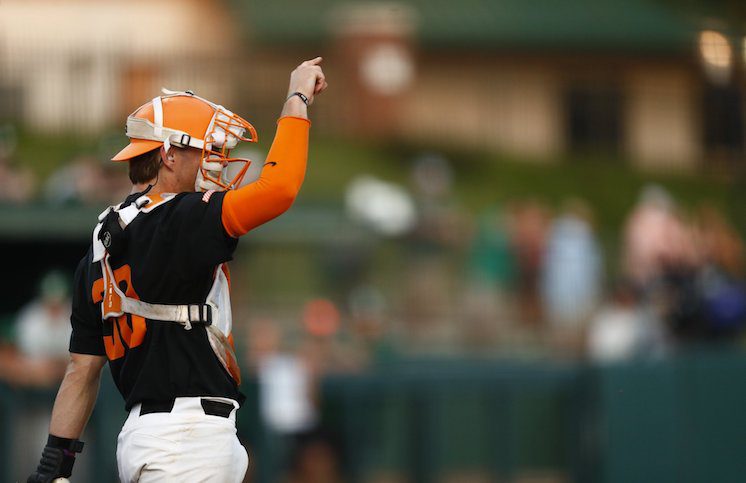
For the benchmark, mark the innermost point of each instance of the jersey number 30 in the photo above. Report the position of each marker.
(127, 330)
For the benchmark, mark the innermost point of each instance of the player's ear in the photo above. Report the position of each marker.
(167, 157)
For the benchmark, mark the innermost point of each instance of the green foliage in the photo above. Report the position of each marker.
(43, 154)
(481, 179)
(610, 185)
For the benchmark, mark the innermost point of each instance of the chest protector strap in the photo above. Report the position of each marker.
(214, 314)
(116, 303)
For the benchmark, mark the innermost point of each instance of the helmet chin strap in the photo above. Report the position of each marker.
(202, 184)
(158, 121)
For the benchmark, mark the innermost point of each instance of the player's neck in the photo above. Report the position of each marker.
(160, 187)
(140, 187)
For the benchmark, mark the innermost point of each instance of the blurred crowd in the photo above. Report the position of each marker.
(531, 278)
(678, 279)
(83, 179)
(521, 279)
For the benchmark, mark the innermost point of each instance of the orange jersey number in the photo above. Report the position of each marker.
(127, 330)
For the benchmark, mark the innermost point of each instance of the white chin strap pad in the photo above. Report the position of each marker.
(216, 167)
(202, 184)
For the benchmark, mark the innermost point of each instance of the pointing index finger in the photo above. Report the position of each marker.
(315, 61)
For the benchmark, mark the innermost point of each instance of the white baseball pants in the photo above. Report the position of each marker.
(184, 445)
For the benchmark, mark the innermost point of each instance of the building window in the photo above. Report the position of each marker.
(723, 121)
(11, 108)
(593, 118)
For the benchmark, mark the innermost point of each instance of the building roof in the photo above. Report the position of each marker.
(577, 25)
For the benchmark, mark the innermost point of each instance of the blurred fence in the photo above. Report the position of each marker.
(677, 420)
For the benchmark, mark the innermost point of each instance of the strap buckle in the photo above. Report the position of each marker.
(184, 143)
(201, 314)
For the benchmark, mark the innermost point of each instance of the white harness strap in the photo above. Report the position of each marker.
(117, 303)
(143, 129)
(214, 314)
(158, 116)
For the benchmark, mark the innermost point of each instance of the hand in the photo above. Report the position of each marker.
(308, 79)
(50, 466)
(57, 460)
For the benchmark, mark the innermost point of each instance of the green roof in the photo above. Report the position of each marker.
(585, 25)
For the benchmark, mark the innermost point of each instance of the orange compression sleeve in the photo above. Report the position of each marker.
(272, 194)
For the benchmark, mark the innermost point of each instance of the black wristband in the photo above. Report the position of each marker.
(57, 459)
(302, 96)
(72, 445)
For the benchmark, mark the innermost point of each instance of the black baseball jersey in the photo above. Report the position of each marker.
(170, 257)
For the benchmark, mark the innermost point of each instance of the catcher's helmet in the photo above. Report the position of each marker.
(185, 120)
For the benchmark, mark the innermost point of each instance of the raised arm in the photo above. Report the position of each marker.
(285, 167)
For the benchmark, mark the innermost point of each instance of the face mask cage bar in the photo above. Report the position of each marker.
(226, 130)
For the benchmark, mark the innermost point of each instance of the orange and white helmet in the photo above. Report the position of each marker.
(183, 119)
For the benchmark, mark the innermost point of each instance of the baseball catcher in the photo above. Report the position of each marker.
(152, 293)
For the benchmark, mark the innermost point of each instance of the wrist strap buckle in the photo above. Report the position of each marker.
(302, 96)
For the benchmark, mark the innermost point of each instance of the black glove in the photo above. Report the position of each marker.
(57, 460)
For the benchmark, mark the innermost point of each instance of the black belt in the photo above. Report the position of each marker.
(210, 407)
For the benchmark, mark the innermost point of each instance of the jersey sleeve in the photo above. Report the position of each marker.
(200, 230)
(275, 190)
(87, 333)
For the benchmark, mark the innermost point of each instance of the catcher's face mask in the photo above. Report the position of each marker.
(184, 120)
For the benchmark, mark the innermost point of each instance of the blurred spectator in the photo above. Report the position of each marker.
(116, 185)
(572, 273)
(723, 300)
(440, 232)
(440, 221)
(624, 329)
(721, 245)
(286, 396)
(44, 324)
(297, 445)
(321, 346)
(286, 382)
(491, 260)
(316, 459)
(529, 227)
(655, 238)
(372, 341)
(82, 180)
(491, 277)
(42, 337)
(16, 183)
(74, 181)
(690, 272)
(709, 299)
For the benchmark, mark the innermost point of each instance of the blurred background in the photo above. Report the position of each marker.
(517, 257)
